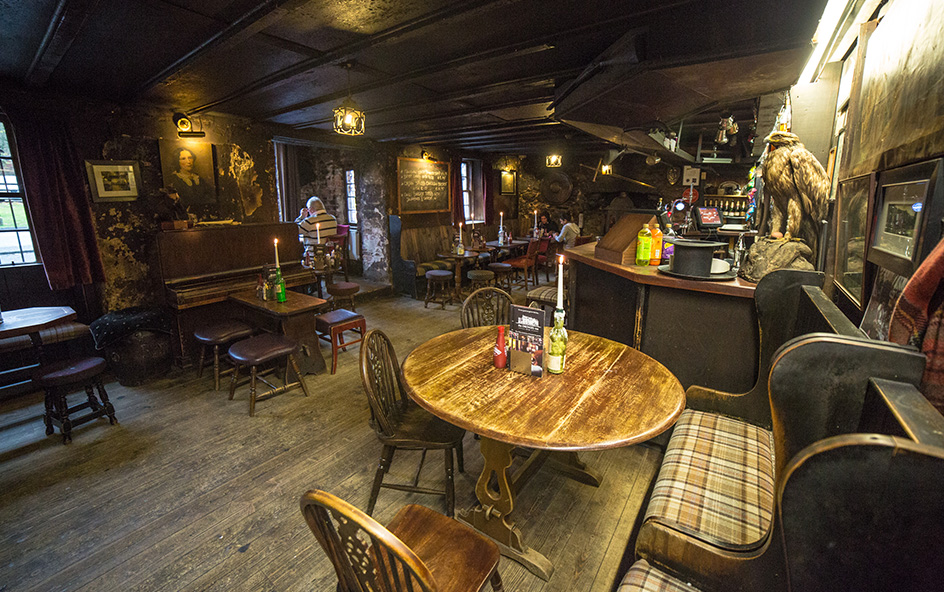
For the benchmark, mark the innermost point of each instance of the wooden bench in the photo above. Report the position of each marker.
(711, 512)
(413, 252)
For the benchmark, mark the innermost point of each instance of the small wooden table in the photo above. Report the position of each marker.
(609, 395)
(459, 261)
(516, 245)
(30, 321)
(294, 318)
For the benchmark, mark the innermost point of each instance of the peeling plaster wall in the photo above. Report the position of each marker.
(321, 174)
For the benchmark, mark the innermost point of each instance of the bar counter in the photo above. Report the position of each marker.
(704, 332)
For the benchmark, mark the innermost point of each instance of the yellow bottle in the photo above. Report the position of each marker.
(643, 246)
(655, 251)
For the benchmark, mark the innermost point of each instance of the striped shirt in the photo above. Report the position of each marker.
(310, 230)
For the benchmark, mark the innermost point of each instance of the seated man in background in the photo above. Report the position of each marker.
(314, 221)
(569, 231)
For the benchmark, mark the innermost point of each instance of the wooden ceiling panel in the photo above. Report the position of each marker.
(23, 25)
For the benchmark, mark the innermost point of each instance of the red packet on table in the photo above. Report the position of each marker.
(527, 340)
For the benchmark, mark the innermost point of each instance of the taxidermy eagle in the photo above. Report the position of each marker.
(798, 187)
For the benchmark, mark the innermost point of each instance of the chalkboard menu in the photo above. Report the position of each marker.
(422, 186)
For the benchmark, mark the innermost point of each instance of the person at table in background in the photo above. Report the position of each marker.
(314, 220)
(546, 226)
(568, 233)
(191, 187)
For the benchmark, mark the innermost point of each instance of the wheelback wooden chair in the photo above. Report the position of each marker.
(486, 306)
(418, 550)
(402, 424)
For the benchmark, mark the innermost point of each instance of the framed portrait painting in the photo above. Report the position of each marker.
(187, 166)
(508, 183)
(113, 180)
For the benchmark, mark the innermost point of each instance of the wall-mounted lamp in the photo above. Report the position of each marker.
(606, 169)
(554, 160)
(349, 117)
(426, 156)
(185, 127)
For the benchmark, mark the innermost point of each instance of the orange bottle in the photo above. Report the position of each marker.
(655, 250)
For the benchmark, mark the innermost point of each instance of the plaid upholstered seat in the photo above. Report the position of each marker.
(438, 264)
(544, 295)
(642, 577)
(54, 334)
(717, 481)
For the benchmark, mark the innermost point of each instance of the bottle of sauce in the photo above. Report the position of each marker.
(655, 250)
(643, 246)
(500, 354)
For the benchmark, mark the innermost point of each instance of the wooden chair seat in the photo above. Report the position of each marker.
(215, 336)
(401, 424)
(260, 350)
(58, 379)
(419, 550)
(343, 292)
(437, 287)
(331, 327)
(527, 263)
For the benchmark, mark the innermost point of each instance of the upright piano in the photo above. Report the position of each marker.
(200, 267)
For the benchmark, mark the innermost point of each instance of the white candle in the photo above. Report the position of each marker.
(560, 283)
(460, 233)
(318, 233)
(535, 219)
(276, 244)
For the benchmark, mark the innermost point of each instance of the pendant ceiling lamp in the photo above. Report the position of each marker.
(349, 117)
(554, 160)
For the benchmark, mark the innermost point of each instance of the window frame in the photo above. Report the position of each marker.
(472, 188)
(19, 195)
(350, 196)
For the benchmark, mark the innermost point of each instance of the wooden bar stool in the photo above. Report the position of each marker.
(343, 291)
(218, 335)
(331, 327)
(437, 286)
(257, 351)
(59, 379)
(481, 278)
(503, 273)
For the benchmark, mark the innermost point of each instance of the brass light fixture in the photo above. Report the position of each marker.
(554, 160)
(606, 169)
(185, 126)
(349, 117)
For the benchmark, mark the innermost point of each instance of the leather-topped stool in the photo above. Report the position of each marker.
(437, 286)
(257, 351)
(218, 335)
(481, 278)
(503, 273)
(331, 327)
(58, 379)
(343, 291)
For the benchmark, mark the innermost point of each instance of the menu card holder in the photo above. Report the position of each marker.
(526, 355)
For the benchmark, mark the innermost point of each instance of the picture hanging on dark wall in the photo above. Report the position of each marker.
(187, 166)
(113, 180)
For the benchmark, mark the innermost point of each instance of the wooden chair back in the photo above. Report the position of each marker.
(383, 383)
(366, 556)
(486, 306)
(864, 511)
(533, 248)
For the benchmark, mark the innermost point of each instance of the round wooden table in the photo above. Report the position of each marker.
(609, 395)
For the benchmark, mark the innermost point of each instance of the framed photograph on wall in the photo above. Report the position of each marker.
(508, 182)
(187, 166)
(113, 180)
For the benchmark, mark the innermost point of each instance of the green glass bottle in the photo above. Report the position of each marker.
(279, 286)
(557, 348)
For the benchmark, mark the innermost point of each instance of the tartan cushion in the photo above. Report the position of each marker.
(422, 268)
(545, 294)
(54, 334)
(716, 481)
(642, 577)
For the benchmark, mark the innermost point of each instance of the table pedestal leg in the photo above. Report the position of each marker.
(458, 282)
(494, 517)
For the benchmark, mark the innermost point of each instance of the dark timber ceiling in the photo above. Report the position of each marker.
(471, 75)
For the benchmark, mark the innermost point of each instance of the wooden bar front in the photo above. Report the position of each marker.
(704, 332)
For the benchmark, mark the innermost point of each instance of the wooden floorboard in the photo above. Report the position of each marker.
(190, 493)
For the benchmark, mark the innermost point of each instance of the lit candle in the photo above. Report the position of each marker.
(501, 219)
(535, 219)
(276, 244)
(560, 283)
(460, 233)
(318, 233)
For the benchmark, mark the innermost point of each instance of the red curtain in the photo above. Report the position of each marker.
(54, 184)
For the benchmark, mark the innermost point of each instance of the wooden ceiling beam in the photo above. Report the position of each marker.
(67, 21)
(455, 131)
(347, 51)
(478, 110)
(253, 21)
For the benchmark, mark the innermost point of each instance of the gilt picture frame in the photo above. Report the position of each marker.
(113, 180)
(509, 183)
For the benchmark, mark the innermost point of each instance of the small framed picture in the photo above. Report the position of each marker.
(508, 182)
(113, 180)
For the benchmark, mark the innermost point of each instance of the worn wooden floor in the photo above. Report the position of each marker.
(189, 493)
